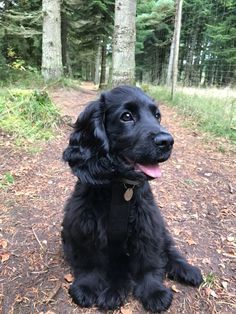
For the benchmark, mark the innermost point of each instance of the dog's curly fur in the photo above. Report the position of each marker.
(114, 134)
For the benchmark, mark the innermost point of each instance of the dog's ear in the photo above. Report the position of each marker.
(88, 150)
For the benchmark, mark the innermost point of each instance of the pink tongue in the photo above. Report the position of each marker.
(153, 171)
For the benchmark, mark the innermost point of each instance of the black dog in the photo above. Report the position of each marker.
(113, 234)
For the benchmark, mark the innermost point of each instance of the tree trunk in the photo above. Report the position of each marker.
(176, 39)
(97, 64)
(51, 46)
(124, 38)
(170, 64)
(189, 73)
(103, 67)
(64, 35)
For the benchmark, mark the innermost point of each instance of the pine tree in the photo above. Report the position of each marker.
(90, 25)
(154, 33)
(20, 31)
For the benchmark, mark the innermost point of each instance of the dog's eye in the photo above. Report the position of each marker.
(158, 116)
(126, 116)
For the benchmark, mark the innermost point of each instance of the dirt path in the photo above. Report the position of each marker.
(196, 196)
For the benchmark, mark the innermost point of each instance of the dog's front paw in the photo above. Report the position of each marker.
(186, 273)
(82, 295)
(111, 298)
(158, 300)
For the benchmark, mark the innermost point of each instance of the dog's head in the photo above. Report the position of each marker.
(119, 135)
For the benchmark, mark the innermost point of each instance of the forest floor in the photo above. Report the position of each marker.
(196, 195)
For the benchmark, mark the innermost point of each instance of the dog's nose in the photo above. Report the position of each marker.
(164, 140)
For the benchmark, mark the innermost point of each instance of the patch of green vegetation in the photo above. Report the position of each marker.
(27, 114)
(30, 78)
(22, 78)
(213, 114)
(209, 280)
(189, 182)
(6, 180)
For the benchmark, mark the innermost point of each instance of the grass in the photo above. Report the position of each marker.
(6, 180)
(210, 113)
(26, 111)
(32, 79)
(27, 114)
(209, 280)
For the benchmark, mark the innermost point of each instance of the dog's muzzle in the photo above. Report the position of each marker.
(164, 141)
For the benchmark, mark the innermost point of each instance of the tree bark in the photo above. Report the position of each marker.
(64, 36)
(124, 38)
(176, 39)
(170, 64)
(97, 64)
(103, 66)
(51, 46)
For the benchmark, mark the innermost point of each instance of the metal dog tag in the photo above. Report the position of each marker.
(128, 194)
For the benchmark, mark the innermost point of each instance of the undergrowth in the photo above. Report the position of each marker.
(211, 114)
(32, 79)
(27, 114)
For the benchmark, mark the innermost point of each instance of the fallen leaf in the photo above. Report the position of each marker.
(195, 216)
(19, 298)
(206, 260)
(207, 174)
(178, 205)
(231, 238)
(4, 257)
(211, 292)
(177, 231)
(224, 284)
(45, 242)
(229, 255)
(3, 243)
(191, 242)
(68, 277)
(214, 202)
(175, 289)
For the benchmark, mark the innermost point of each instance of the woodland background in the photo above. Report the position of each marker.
(41, 96)
(207, 54)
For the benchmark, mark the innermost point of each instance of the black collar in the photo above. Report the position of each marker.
(130, 182)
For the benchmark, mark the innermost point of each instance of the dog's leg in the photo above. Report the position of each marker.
(87, 262)
(179, 269)
(154, 296)
(119, 282)
(86, 288)
(89, 279)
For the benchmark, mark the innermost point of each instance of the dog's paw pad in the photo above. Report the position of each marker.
(82, 295)
(157, 301)
(111, 299)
